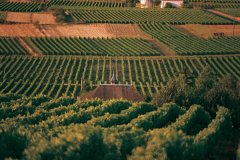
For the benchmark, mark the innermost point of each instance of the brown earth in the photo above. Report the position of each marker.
(96, 30)
(18, 17)
(207, 31)
(73, 30)
(27, 17)
(19, 30)
(107, 92)
(43, 18)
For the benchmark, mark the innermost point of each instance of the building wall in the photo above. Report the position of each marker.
(146, 3)
(176, 4)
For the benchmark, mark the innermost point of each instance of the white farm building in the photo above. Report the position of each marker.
(146, 3)
(174, 3)
(150, 3)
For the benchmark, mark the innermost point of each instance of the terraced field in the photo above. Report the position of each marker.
(79, 125)
(58, 75)
(173, 16)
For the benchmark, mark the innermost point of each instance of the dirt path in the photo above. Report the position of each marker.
(225, 15)
(27, 47)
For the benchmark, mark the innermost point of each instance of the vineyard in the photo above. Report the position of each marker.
(121, 15)
(167, 80)
(9, 46)
(66, 127)
(231, 11)
(19, 7)
(54, 3)
(177, 40)
(58, 75)
(93, 46)
(212, 3)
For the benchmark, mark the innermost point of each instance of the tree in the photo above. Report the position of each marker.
(205, 90)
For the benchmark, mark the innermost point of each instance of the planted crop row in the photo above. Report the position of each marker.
(185, 44)
(231, 11)
(10, 46)
(93, 46)
(20, 7)
(213, 3)
(85, 3)
(120, 15)
(56, 76)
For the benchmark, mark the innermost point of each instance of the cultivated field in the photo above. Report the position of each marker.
(28, 17)
(122, 15)
(58, 75)
(207, 31)
(20, 30)
(226, 14)
(73, 30)
(66, 127)
(184, 63)
(177, 40)
(95, 30)
(19, 0)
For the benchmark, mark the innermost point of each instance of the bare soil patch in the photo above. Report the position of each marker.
(74, 30)
(19, 30)
(207, 31)
(43, 18)
(19, 17)
(96, 30)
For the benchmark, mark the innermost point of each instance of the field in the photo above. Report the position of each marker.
(27, 17)
(177, 41)
(173, 16)
(208, 4)
(57, 76)
(175, 73)
(133, 42)
(207, 31)
(19, 7)
(54, 3)
(93, 46)
(226, 15)
(61, 124)
(10, 46)
(232, 11)
(73, 30)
